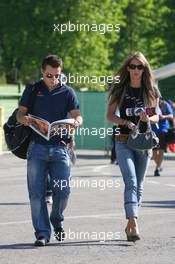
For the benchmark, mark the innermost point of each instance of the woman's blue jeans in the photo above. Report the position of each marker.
(44, 159)
(133, 165)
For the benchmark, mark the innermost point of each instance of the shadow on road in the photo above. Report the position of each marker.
(160, 204)
(157, 177)
(120, 243)
(14, 204)
(18, 246)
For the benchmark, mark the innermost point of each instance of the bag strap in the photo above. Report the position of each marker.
(148, 126)
(34, 89)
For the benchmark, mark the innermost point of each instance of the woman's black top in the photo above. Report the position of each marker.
(133, 99)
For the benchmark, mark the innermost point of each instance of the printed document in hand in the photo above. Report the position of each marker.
(47, 130)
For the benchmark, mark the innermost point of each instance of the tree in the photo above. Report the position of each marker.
(29, 36)
(29, 31)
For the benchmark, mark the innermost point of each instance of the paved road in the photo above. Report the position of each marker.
(94, 221)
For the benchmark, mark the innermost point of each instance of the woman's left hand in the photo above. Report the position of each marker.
(144, 117)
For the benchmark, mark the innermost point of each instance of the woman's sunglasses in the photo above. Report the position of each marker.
(50, 76)
(134, 66)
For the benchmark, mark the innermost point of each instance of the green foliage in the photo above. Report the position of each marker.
(27, 35)
(141, 31)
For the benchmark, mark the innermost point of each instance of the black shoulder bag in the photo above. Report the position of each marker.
(17, 136)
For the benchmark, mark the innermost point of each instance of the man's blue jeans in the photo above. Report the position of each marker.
(49, 187)
(41, 160)
(133, 165)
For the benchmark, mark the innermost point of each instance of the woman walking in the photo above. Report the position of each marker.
(135, 90)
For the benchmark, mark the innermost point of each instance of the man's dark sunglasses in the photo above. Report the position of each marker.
(50, 75)
(134, 66)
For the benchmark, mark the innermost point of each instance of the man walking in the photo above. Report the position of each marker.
(161, 131)
(53, 101)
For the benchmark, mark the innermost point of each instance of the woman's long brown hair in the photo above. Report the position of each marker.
(150, 91)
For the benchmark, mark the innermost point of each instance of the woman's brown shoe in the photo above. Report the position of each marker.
(132, 234)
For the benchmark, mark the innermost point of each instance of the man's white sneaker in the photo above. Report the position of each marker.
(49, 200)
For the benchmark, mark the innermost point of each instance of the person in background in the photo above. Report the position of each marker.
(135, 90)
(171, 143)
(161, 130)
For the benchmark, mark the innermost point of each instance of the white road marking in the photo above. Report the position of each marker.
(165, 184)
(22, 178)
(17, 222)
(92, 216)
(170, 185)
(99, 168)
(108, 173)
(153, 182)
(115, 215)
(68, 217)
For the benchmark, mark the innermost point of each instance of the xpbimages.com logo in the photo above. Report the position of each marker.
(98, 184)
(85, 79)
(91, 236)
(71, 27)
(101, 132)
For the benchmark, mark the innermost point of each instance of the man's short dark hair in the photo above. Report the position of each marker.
(52, 60)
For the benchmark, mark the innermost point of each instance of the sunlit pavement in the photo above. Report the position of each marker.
(94, 219)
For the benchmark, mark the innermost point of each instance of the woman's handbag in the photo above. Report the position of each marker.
(142, 141)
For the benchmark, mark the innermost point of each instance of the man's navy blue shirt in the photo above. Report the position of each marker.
(50, 105)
